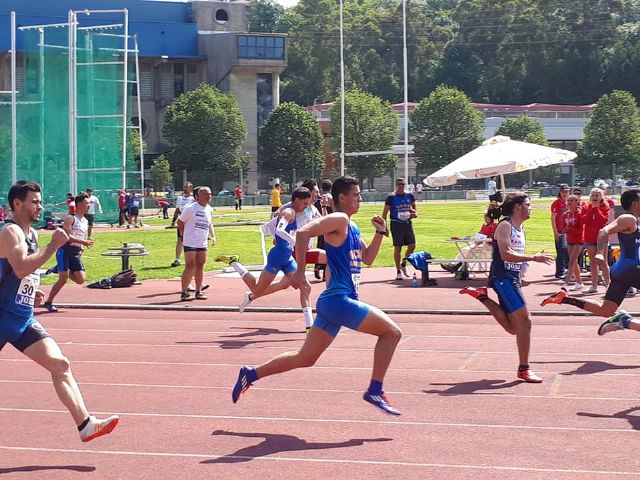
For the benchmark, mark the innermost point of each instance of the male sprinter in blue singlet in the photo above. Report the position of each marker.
(504, 277)
(338, 305)
(19, 294)
(625, 273)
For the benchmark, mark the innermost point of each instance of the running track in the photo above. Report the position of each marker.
(465, 417)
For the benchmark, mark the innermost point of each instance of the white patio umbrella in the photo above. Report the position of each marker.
(497, 156)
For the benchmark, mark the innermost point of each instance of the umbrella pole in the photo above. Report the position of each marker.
(504, 189)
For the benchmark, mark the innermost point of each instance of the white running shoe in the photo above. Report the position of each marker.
(591, 289)
(578, 286)
(246, 301)
(96, 428)
(565, 287)
(399, 276)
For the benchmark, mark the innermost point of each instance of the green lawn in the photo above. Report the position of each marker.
(436, 222)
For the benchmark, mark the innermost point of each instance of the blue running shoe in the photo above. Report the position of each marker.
(381, 402)
(242, 384)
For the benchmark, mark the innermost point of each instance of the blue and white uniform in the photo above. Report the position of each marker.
(68, 257)
(17, 298)
(625, 273)
(504, 277)
(338, 305)
(280, 257)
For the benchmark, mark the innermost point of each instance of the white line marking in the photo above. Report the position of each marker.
(338, 420)
(214, 456)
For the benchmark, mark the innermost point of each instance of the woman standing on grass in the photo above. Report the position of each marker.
(594, 217)
(574, 229)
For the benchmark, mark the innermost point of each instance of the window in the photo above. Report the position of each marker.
(178, 79)
(166, 80)
(221, 16)
(255, 46)
(146, 85)
(192, 78)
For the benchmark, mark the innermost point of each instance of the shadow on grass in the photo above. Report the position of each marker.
(277, 443)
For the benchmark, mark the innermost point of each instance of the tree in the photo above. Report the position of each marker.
(134, 145)
(523, 128)
(160, 173)
(290, 142)
(444, 126)
(371, 124)
(266, 16)
(612, 136)
(207, 131)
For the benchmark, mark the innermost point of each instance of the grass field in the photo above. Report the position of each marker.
(436, 222)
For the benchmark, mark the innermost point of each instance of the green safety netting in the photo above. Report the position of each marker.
(43, 106)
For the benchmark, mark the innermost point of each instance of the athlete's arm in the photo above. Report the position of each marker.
(385, 211)
(13, 247)
(503, 237)
(68, 227)
(212, 234)
(623, 224)
(370, 252)
(287, 216)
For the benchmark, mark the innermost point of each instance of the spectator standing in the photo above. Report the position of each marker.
(164, 206)
(402, 207)
(94, 204)
(239, 196)
(574, 228)
(558, 209)
(594, 217)
(325, 206)
(135, 202)
(492, 190)
(181, 203)
(276, 203)
(122, 207)
(419, 188)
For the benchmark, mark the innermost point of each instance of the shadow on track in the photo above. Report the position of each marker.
(472, 388)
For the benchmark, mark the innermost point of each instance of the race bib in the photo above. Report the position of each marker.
(27, 290)
(516, 267)
(355, 278)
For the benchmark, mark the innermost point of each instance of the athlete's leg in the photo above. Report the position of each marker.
(47, 353)
(178, 251)
(494, 308)
(397, 253)
(595, 265)
(189, 269)
(258, 288)
(388, 332)
(274, 287)
(200, 260)
(63, 276)
(521, 322)
(78, 277)
(574, 269)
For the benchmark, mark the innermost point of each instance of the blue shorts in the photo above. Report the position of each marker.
(509, 293)
(277, 262)
(12, 326)
(68, 261)
(335, 311)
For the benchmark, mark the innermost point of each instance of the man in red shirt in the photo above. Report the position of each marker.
(558, 208)
(239, 196)
(122, 207)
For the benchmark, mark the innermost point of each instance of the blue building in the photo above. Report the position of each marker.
(181, 45)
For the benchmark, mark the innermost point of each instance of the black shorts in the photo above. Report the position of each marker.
(69, 260)
(494, 198)
(623, 276)
(195, 249)
(90, 218)
(402, 234)
(34, 333)
(274, 209)
(133, 211)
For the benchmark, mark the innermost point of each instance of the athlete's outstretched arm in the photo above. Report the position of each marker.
(14, 249)
(623, 224)
(370, 252)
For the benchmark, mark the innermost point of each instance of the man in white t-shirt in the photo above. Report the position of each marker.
(181, 202)
(196, 228)
(94, 204)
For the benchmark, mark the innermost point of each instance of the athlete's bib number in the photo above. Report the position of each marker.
(513, 266)
(355, 278)
(27, 290)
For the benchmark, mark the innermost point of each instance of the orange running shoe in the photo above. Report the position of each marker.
(474, 292)
(529, 376)
(556, 298)
(96, 428)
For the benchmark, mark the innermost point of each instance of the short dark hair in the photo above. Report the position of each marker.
(342, 185)
(276, 185)
(310, 183)
(301, 192)
(89, 190)
(80, 198)
(21, 189)
(511, 200)
(563, 188)
(326, 185)
(628, 197)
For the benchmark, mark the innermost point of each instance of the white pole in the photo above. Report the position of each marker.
(72, 102)
(125, 92)
(406, 91)
(41, 85)
(135, 43)
(341, 90)
(14, 116)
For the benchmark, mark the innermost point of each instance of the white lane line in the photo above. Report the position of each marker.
(489, 426)
(270, 458)
(507, 395)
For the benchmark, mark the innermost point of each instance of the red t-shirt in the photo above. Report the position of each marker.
(559, 206)
(238, 192)
(488, 229)
(574, 227)
(121, 200)
(594, 219)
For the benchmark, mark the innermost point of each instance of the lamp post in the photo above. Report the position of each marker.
(341, 89)
(406, 92)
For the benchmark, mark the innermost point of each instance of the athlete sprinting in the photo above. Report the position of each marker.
(625, 273)
(504, 277)
(280, 257)
(338, 305)
(19, 294)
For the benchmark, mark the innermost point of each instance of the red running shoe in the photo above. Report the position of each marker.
(529, 376)
(474, 292)
(556, 298)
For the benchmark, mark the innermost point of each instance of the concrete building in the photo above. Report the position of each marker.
(182, 44)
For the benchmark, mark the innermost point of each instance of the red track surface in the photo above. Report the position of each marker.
(168, 375)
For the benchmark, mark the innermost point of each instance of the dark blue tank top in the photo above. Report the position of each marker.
(345, 264)
(630, 245)
(17, 295)
(501, 268)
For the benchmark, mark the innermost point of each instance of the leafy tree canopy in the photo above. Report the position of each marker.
(523, 128)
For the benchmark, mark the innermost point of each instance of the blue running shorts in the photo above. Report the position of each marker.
(335, 311)
(277, 262)
(509, 294)
(12, 326)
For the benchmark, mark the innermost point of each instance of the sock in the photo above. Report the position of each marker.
(84, 424)
(252, 375)
(308, 316)
(522, 368)
(241, 269)
(626, 320)
(576, 302)
(375, 387)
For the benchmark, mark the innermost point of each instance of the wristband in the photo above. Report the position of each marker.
(382, 233)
